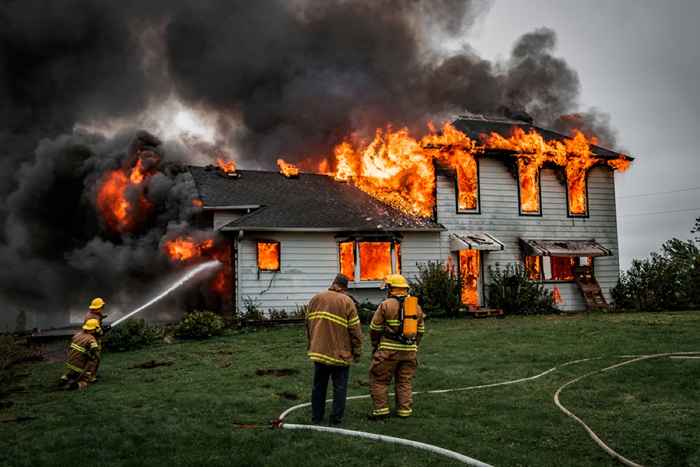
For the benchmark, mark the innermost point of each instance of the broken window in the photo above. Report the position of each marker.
(268, 255)
(467, 185)
(555, 268)
(369, 260)
(529, 187)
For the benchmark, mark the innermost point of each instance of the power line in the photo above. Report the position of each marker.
(639, 195)
(659, 212)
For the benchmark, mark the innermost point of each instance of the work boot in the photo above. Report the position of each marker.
(335, 422)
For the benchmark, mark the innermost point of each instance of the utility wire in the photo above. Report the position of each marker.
(659, 212)
(639, 195)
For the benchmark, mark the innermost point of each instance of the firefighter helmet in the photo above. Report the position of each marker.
(397, 281)
(91, 324)
(97, 304)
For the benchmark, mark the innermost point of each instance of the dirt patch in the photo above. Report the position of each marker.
(150, 364)
(290, 396)
(279, 372)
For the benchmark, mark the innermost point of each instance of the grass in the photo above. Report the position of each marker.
(184, 414)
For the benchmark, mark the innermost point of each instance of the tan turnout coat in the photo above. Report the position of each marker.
(333, 329)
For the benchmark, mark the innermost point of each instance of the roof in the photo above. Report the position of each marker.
(564, 248)
(308, 202)
(474, 241)
(476, 125)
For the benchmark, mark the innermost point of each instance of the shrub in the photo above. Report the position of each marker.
(666, 280)
(510, 290)
(277, 314)
(365, 311)
(200, 325)
(251, 309)
(12, 352)
(131, 335)
(437, 286)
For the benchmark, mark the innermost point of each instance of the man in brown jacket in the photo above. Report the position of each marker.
(83, 352)
(394, 355)
(334, 341)
(96, 311)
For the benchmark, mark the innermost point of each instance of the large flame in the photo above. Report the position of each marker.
(186, 249)
(347, 259)
(268, 256)
(375, 260)
(399, 169)
(226, 166)
(121, 199)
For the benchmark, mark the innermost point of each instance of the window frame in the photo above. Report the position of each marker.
(543, 270)
(394, 252)
(258, 241)
(477, 210)
(539, 193)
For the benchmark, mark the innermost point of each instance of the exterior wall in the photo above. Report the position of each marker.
(500, 217)
(308, 264)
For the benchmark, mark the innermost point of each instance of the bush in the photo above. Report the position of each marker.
(365, 311)
(251, 309)
(200, 325)
(667, 280)
(437, 287)
(131, 335)
(510, 290)
(12, 352)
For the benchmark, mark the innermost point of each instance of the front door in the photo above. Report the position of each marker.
(469, 270)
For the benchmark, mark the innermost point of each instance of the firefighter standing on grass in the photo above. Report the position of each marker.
(396, 330)
(83, 352)
(335, 340)
(96, 312)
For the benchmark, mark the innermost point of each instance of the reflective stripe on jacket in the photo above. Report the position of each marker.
(83, 349)
(333, 329)
(386, 322)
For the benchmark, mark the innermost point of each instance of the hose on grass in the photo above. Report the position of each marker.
(614, 454)
(466, 459)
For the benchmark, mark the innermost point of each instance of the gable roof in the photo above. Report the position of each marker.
(475, 125)
(311, 202)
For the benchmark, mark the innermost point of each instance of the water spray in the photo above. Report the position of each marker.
(175, 285)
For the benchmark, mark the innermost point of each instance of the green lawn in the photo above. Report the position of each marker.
(185, 413)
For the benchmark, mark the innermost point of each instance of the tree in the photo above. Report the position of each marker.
(696, 230)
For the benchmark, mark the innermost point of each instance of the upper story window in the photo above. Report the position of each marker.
(555, 268)
(268, 255)
(529, 191)
(577, 191)
(369, 260)
(467, 185)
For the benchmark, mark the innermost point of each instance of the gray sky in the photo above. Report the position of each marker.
(639, 61)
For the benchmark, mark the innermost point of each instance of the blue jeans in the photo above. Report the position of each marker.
(340, 375)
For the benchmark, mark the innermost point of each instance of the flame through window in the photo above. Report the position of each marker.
(376, 259)
(555, 268)
(268, 255)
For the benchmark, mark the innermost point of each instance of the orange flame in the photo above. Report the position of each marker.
(469, 269)
(186, 248)
(375, 263)
(347, 259)
(533, 267)
(119, 211)
(287, 169)
(268, 256)
(226, 166)
(198, 203)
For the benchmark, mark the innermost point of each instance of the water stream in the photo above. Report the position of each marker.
(178, 283)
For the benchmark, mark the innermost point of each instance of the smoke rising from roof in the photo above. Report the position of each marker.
(278, 78)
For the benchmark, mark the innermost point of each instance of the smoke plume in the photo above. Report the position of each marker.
(277, 78)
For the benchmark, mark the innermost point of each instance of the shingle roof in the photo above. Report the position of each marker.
(309, 202)
(473, 126)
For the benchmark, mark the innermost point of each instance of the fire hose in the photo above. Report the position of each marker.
(280, 423)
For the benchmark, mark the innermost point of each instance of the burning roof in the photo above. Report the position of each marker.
(309, 202)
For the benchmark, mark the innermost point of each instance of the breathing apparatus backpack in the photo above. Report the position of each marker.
(408, 320)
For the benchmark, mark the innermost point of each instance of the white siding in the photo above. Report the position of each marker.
(499, 217)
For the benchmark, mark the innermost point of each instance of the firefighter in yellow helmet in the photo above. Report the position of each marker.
(396, 330)
(83, 352)
(96, 311)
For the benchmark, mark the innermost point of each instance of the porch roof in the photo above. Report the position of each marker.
(563, 248)
(474, 241)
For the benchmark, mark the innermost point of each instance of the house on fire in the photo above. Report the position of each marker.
(289, 236)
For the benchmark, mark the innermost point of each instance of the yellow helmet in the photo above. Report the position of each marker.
(397, 281)
(97, 304)
(91, 324)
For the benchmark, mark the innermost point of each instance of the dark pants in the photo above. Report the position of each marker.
(340, 375)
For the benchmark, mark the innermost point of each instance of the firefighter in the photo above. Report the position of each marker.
(396, 330)
(334, 341)
(96, 311)
(83, 352)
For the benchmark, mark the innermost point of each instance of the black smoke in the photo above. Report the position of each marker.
(285, 78)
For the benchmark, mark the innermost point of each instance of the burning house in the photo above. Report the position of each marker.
(478, 193)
